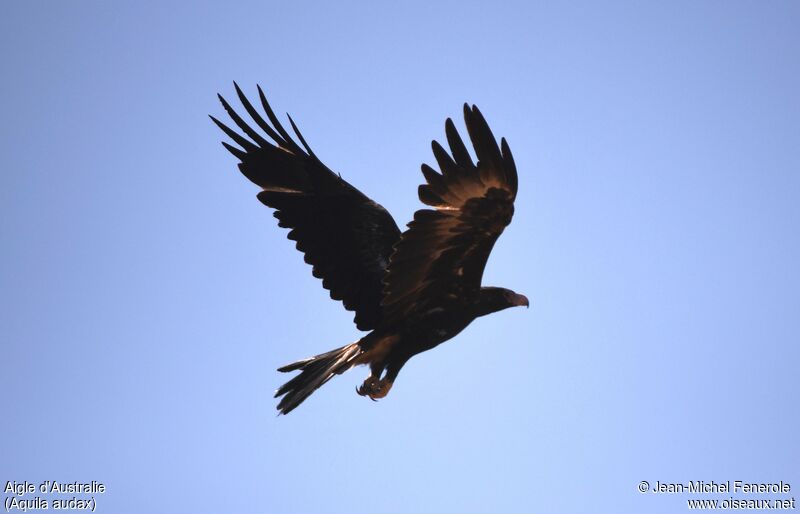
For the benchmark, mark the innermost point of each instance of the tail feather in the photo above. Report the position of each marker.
(315, 371)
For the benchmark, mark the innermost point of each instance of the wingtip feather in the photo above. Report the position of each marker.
(239, 154)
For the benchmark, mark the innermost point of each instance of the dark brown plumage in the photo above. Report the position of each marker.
(413, 290)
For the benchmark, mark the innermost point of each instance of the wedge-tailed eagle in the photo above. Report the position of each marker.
(410, 290)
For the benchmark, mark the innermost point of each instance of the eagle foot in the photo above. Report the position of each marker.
(374, 388)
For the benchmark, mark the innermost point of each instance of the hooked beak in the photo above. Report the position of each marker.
(520, 300)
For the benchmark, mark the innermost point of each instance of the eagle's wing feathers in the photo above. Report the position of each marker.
(345, 236)
(443, 253)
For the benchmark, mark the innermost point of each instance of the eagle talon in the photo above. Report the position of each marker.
(367, 387)
(382, 390)
(374, 388)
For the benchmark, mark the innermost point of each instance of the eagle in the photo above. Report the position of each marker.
(411, 290)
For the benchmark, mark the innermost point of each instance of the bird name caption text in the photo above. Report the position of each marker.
(752, 495)
(52, 494)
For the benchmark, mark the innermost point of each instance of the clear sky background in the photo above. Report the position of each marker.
(147, 297)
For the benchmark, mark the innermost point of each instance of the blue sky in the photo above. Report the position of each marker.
(146, 296)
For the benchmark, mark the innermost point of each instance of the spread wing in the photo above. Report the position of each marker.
(345, 236)
(442, 255)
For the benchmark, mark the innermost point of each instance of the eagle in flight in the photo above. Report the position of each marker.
(410, 290)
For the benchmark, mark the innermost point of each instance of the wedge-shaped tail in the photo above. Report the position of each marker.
(315, 371)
